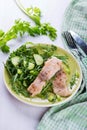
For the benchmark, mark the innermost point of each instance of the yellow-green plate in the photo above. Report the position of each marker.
(74, 66)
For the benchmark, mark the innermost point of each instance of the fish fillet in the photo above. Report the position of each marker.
(59, 84)
(51, 67)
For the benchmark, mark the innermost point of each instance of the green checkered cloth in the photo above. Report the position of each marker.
(73, 114)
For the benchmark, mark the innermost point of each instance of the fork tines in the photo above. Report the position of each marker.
(70, 41)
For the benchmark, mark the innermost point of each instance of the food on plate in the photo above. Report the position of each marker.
(50, 68)
(36, 87)
(60, 84)
(42, 71)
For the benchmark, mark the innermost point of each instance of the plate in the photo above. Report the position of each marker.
(74, 66)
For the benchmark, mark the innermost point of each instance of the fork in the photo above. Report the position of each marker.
(73, 47)
(72, 44)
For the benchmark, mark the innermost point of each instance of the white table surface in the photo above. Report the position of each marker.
(14, 115)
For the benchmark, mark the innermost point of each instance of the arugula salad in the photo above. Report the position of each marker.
(25, 64)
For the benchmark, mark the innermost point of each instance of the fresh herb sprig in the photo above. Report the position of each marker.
(20, 28)
(33, 13)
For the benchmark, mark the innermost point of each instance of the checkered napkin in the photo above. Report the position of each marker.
(73, 114)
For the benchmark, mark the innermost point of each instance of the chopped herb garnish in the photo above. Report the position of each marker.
(73, 80)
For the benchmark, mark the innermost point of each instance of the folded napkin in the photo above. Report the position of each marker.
(73, 114)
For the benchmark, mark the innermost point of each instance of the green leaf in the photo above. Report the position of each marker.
(47, 29)
(21, 27)
(34, 13)
(5, 48)
(1, 33)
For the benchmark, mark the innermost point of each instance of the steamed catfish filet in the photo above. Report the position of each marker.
(52, 67)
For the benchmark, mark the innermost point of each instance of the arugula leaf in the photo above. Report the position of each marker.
(73, 79)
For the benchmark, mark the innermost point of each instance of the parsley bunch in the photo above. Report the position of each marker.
(21, 27)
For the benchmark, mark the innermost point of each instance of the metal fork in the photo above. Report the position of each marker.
(71, 43)
(72, 46)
